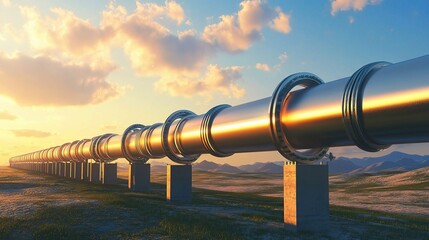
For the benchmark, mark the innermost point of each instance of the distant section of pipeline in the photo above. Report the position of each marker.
(379, 105)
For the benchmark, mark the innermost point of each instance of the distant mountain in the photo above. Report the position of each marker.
(404, 164)
(341, 165)
(251, 167)
(205, 166)
(391, 157)
(270, 168)
(214, 167)
(226, 168)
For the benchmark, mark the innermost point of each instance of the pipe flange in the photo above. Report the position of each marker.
(164, 138)
(131, 129)
(60, 153)
(94, 148)
(205, 131)
(277, 132)
(146, 140)
(352, 108)
(106, 152)
(73, 157)
(176, 136)
(138, 137)
(79, 149)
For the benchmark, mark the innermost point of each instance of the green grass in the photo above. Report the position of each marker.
(411, 222)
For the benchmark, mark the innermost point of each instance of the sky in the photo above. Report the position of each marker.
(76, 69)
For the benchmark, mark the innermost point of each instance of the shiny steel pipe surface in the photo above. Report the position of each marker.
(381, 104)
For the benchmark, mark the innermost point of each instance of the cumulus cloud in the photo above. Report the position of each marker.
(30, 133)
(282, 59)
(263, 67)
(147, 40)
(237, 33)
(281, 22)
(44, 81)
(6, 3)
(5, 115)
(68, 36)
(345, 5)
(223, 80)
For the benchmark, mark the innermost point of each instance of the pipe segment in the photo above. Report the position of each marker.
(379, 105)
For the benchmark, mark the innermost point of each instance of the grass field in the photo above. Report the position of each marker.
(34, 206)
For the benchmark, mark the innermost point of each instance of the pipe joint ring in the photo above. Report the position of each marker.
(279, 132)
(164, 138)
(79, 149)
(60, 152)
(205, 131)
(138, 137)
(132, 129)
(73, 156)
(352, 108)
(176, 135)
(147, 135)
(95, 148)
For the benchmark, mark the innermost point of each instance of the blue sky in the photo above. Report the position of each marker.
(329, 39)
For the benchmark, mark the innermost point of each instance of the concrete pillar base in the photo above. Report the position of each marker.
(94, 172)
(85, 171)
(306, 197)
(77, 166)
(179, 183)
(139, 177)
(109, 173)
(64, 169)
(67, 170)
(55, 171)
(72, 169)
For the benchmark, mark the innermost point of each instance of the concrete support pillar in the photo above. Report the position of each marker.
(94, 172)
(64, 168)
(85, 171)
(55, 172)
(50, 165)
(109, 173)
(179, 183)
(306, 197)
(139, 177)
(72, 170)
(67, 169)
(77, 166)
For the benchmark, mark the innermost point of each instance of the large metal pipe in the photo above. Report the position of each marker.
(381, 104)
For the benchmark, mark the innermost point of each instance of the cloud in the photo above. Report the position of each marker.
(145, 36)
(263, 67)
(153, 50)
(5, 115)
(282, 59)
(223, 80)
(30, 133)
(67, 36)
(44, 81)
(6, 3)
(237, 33)
(281, 22)
(345, 5)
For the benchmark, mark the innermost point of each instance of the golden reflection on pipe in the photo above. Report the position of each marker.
(402, 98)
(224, 129)
(321, 112)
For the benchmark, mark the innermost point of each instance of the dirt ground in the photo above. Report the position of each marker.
(35, 206)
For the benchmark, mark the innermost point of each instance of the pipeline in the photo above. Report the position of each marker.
(379, 105)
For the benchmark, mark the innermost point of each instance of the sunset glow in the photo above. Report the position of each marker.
(71, 70)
